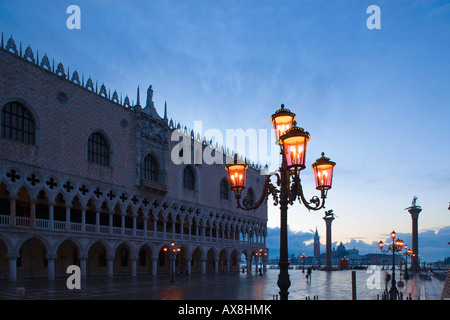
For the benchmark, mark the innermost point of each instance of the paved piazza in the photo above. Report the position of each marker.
(223, 286)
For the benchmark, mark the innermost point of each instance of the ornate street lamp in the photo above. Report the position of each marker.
(172, 250)
(293, 143)
(408, 252)
(396, 246)
(236, 175)
(282, 120)
(303, 256)
(262, 255)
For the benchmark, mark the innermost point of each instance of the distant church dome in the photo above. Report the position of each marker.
(340, 248)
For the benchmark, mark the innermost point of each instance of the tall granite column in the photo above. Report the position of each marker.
(329, 217)
(414, 210)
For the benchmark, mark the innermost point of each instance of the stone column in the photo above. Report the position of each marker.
(110, 222)
(97, 221)
(51, 267)
(328, 220)
(67, 217)
(33, 213)
(51, 206)
(133, 267)
(83, 267)
(145, 225)
(189, 229)
(122, 223)
(203, 233)
(110, 264)
(188, 265)
(249, 263)
(12, 268)
(154, 266)
(414, 211)
(83, 218)
(12, 210)
(203, 266)
(134, 224)
(164, 228)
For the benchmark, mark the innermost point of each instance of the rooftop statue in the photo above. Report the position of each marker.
(150, 96)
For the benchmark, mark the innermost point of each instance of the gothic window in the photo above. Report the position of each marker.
(17, 123)
(189, 178)
(224, 189)
(150, 168)
(98, 149)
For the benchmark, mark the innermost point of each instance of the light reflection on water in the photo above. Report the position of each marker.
(334, 285)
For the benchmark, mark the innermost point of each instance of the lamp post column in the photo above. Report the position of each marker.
(283, 278)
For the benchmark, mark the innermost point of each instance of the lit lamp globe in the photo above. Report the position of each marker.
(294, 145)
(282, 120)
(236, 175)
(323, 172)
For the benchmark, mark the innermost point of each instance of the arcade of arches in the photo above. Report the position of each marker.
(37, 257)
(37, 251)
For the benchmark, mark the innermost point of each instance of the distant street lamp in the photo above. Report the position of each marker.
(262, 255)
(408, 252)
(396, 246)
(303, 256)
(292, 141)
(172, 250)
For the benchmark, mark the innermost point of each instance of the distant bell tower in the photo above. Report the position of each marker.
(316, 244)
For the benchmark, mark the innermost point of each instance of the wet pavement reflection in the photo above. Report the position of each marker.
(335, 285)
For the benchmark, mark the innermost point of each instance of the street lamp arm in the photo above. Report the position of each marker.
(387, 250)
(296, 192)
(248, 202)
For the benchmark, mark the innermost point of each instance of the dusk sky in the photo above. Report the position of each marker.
(376, 101)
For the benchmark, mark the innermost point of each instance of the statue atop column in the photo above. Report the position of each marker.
(414, 204)
(150, 97)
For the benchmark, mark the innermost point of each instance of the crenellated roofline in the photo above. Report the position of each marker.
(60, 72)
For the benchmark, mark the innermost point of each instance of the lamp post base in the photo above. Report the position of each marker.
(283, 280)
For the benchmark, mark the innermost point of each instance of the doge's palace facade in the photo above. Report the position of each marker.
(86, 178)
